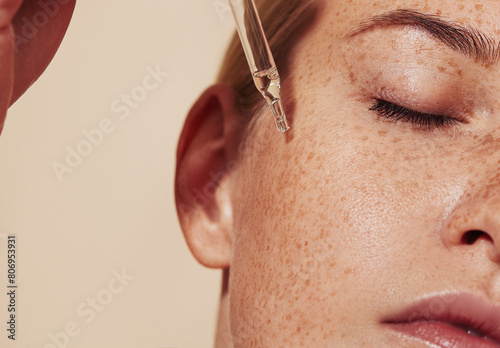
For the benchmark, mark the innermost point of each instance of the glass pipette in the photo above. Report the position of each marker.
(260, 59)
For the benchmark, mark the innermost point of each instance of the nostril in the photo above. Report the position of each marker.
(471, 237)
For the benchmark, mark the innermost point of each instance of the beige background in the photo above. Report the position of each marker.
(116, 209)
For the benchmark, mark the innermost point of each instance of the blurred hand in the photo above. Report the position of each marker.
(31, 32)
(8, 9)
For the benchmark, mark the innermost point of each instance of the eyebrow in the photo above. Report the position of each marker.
(465, 40)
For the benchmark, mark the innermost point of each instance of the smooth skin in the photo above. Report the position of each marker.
(327, 230)
(25, 55)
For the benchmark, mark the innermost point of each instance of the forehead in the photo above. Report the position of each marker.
(344, 15)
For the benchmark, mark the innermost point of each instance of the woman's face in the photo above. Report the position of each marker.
(381, 206)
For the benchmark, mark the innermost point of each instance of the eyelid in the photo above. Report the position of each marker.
(432, 99)
(426, 91)
(398, 113)
(422, 89)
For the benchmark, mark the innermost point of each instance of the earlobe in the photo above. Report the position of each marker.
(203, 177)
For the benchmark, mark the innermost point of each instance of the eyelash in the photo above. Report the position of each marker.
(395, 112)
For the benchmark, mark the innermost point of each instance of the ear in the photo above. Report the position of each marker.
(39, 29)
(206, 161)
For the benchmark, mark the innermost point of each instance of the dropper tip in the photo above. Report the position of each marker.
(279, 115)
(282, 125)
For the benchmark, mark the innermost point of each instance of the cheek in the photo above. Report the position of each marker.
(331, 210)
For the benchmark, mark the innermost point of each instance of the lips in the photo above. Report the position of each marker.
(451, 321)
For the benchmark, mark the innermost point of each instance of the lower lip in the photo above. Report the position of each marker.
(441, 334)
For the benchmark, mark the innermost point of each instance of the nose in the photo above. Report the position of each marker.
(476, 224)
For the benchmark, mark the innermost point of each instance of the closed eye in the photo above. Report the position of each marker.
(393, 112)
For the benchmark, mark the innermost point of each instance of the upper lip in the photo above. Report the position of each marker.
(455, 309)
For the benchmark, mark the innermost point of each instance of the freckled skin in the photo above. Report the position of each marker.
(354, 218)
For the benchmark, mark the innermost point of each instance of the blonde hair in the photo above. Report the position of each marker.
(283, 22)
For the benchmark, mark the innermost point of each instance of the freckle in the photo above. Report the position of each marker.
(479, 7)
(487, 140)
(396, 140)
(382, 133)
(351, 76)
(460, 72)
(442, 69)
(365, 138)
(461, 7)
(485, 194)
(438, 12)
